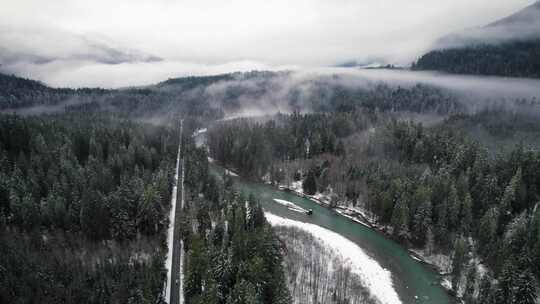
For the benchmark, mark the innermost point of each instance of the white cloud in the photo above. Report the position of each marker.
(91, 74)
(219, 33)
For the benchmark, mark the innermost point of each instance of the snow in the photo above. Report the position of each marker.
(181, 282)
(170, 233)
(200, 131)
(231, 173)
(481, 269)
(297, 186)
(170, 229)
(446, 284)
(442, 262)
(352, 218)
(377, 279)
(291, 206)
(414, 257)
(182, 200)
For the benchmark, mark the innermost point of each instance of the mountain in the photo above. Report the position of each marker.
(523, 18)
(506, 47)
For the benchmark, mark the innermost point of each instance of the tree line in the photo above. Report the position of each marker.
(446, 189)
(432, 187)
(510, 59)
(251, 147)
(83, 203)
(232, 255)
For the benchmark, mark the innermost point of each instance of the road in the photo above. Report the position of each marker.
(175, 288)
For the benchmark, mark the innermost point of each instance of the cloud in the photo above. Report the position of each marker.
(470, 87)
(76, 74)
(213, 32)
(259, 94)
(44, 45)
(524, 24)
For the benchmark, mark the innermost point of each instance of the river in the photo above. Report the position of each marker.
(413, 281)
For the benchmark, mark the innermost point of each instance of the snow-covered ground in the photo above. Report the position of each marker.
(360, 215)
(376, 278)
(200, 131)
(296, 187)
(291, 206)
(231, 173)
(170, 233)
(352, 217)
(316, 273)
(442, 262)
(181, 289)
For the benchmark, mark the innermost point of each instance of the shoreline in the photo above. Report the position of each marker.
(358, 218)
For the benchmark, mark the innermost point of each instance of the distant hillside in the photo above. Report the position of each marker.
(507, 47)
(17, 92)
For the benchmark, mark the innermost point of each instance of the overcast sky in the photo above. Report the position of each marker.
(81, 42)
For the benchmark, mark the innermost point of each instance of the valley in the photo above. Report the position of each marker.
(255, 152)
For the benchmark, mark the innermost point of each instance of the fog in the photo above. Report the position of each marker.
(472, 86)
(263, 95)
(307, 89)
(524, 24)
(103, 43)
(77, 74)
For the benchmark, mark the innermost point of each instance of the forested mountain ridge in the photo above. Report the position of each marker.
(209, 98)
(511, 59)
(17, 92)
(508, 47)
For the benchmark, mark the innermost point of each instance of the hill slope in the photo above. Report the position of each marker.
(507, 47)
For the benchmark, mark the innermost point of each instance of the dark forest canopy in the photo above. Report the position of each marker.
(434, 187)
(509, 59)
(210, 98)
(508, 47)
(83, 203)
(89, 187)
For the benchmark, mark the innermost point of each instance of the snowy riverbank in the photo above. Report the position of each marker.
(377, 279)
(438, 261)
(292, 206)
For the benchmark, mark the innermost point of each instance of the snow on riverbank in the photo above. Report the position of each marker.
(291, 206)
(377, 279)
(360, 215)
(231, 173)
(199, 132)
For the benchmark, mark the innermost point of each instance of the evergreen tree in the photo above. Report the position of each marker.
(310, 183)
(468, 295)
(458, 262)
(400, 220)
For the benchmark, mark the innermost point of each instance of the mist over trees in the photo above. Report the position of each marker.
(507, 47)
(510, 59)
(85, 191)
(447, 166)
(431, 187)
